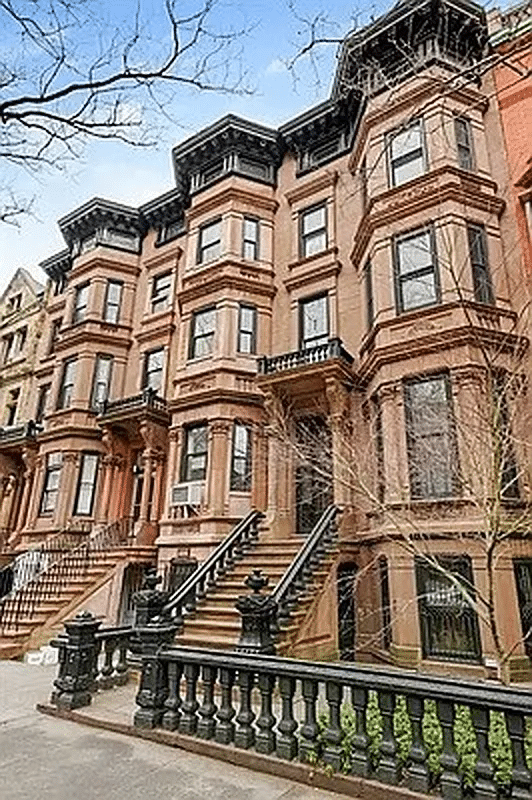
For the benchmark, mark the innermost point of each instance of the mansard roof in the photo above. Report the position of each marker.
(98, 212)
(229, 135)
(411, 35)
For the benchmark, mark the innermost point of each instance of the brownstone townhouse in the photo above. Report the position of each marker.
(327, 313)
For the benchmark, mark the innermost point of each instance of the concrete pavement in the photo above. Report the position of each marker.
(53, 759)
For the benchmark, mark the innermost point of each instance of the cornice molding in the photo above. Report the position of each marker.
(325, 180)
(311, 273)
(232, 193)
(226, 274)
(94, 260)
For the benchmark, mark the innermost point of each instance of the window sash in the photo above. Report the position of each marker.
(464, 143)
(101, 382)
(406, 150)
(313, 230)
(80, 305)
(88, 473)
(431, 446)
(194, 463)
(202, 335)
(42, 401)
(478, 252)
(241, 458)
(250, 239)
(153, 369)
(314, 321)
(113, 298)
(160, 293)
(416, 275)
(209, 242)
(247, 328)
(51, 483)
(67, 384)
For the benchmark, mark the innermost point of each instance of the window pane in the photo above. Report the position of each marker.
(408, 170)
(418, 292)
(313, 220)
(414, 253)
(251, 227)
(210, 234)
(314, 321)
(406, 141)
(315, 243)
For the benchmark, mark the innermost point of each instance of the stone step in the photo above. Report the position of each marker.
(207, 643)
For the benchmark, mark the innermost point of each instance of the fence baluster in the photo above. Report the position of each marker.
(520, 772)
(451, 787)
(245, 734)
(332, 753)
(265, 739)
(360, 757)
(170, 721)
(122, 669)
(225, 729)
(485, 788)
(388, 768)
(189, 707)
(106, 673)
(417, 773)
(286, 741)
(208, 708)
(309, 730)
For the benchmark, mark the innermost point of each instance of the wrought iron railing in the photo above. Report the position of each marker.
(15, 433)
(300, 572)
(268, 365)
(146, 399)
(239, 541)
(57, 572)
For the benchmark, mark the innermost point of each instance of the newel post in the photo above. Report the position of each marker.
(153, 687)
(257, 613)
(77, 662)
(149, 601)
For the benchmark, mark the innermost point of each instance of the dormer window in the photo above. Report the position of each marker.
(14, 302)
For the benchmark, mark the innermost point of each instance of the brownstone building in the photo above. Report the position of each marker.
(324, 313)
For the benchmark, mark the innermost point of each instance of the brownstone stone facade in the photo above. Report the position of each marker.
(319, 313)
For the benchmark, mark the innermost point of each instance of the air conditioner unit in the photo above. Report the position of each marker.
(188, 494)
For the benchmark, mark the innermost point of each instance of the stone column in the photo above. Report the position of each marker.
(393, 435)
(280, 477)
(9, 491)
(147, 460)
(35, 498)
(339, 421)
(473, 431)
(116, 495)
(175, 438)
(158, 488)
(29, 458)
(259, 467)
(219, 433)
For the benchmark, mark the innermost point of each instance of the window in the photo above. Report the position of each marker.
(88, 473)
(406, 153)
(11, 406)
(52, 477)
(314, 322)
(194, 461)
(59, 285)
(478, 252)
(432, 454)
(7, 347)
(20, 341)
(504, 461)
(416, 274)
(523, 581)
(386, 617)
(250, 239)
(241, 458)
(67, 384)
(202, 333)
(448, 622)
(101, 382)
(210, 242)
(54, 334)
(464, 143)
(313, 230)
(153, 370)
(247, 329)
(368, 286)
(42, 402)
(80, 303)
(160, 292)
(113, 297)
(14, 303)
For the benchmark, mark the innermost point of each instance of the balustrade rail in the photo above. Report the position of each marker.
(300, 572)
(15, 433)
(57, 569)
(148, 398)
(268, 365)
(426, 733)
(233, 547)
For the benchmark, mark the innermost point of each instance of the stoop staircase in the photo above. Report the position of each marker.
(296, 567)
(32, 613)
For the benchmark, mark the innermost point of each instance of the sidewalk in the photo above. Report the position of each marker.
(54, 759)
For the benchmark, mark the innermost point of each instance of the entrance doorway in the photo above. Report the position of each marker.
(313, 472)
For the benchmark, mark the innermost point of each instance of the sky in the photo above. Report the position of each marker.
(133, 176)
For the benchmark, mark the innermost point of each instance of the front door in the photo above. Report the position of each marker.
(313, 472)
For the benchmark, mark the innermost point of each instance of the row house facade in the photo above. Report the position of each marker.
(315, 314)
